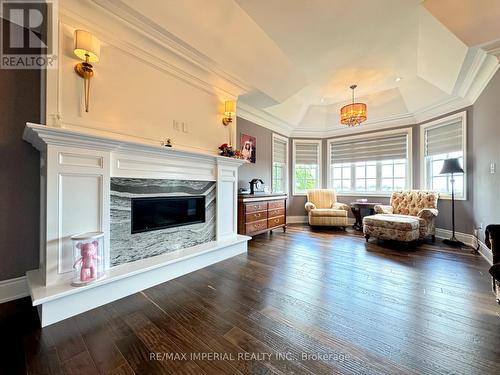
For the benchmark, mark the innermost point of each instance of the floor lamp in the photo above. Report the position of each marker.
(451, 166)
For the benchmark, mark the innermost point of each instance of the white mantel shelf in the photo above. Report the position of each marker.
(42, 135)
(76, 171)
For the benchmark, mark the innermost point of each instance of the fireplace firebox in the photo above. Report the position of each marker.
(166, 212)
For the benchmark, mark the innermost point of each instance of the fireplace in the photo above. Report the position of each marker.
(89, 184)
(150, 217)
(156, 213)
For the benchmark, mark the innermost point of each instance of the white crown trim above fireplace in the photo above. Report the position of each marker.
(76, 169)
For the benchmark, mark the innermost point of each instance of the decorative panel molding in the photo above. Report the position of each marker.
(79, 160)
(80, 210)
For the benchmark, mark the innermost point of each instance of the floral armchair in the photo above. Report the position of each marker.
(324, 210)
(418, 203)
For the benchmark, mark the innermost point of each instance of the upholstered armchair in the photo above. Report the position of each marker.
(492, 240)
(417, 203)
(324, 210)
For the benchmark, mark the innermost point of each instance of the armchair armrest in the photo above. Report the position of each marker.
(427, 213)
(340, 206)
(383, 209)
(309, 206)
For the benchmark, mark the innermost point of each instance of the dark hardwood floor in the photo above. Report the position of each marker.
(303, 302)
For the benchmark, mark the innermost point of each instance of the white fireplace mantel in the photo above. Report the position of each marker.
(76, 169)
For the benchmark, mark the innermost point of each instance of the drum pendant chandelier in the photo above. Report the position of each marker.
(353, 114)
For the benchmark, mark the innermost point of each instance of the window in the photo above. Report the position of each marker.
(443, 139)
(374, 164)
(306, 165)
(280, 164)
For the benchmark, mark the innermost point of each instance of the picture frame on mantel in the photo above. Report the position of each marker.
(248, 146)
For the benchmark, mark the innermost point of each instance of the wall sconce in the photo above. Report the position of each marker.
(87, 48)
(229, 112)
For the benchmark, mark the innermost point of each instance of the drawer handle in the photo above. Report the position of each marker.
(256, 206)
(257, 215)
(276, 220)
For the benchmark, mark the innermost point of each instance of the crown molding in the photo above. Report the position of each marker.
(492, 48)
(264, 119)
(117, 24)
(440, 108)
(481, 70)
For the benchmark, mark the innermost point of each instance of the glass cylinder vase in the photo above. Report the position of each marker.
(88, 258)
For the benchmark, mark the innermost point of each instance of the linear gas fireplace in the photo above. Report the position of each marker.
(150, 217)
(166, 212)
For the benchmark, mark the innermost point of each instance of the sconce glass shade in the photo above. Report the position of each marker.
(87, 45)
(230, 108)
(353, 114)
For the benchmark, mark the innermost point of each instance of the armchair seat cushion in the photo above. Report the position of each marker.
(399, 222)
(327, 212)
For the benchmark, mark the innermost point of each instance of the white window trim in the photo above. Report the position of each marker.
(294, 143)
(287, 165)
(409, 156)
(436, 124)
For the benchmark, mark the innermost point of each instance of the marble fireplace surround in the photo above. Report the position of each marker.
(127, 247)
(76, 173)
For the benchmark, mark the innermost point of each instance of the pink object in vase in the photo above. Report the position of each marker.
(88, 258)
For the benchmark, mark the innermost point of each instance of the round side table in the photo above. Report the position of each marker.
(357, 207)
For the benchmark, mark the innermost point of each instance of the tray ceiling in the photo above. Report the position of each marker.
(294, 60)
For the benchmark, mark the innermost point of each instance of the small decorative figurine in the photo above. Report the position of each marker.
(88, 270)
(88, 258)
(167, 143)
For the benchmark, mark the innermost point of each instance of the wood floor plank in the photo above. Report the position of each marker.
(381, 307)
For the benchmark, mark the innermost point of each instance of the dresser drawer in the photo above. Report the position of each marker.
(256, 226)
(275, 212)
(257, 206)
(255, 216)
(275, 221)
(276, 204)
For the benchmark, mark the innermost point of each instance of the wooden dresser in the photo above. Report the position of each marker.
(260, 213)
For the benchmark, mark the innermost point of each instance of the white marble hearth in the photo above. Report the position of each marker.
(76, 174)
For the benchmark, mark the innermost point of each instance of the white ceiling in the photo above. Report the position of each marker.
(295, 59)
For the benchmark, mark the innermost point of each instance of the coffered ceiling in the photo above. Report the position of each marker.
(291, 62)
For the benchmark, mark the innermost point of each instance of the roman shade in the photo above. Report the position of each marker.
(306, 153)
(391, 147)
(444, 139)
(279, 151)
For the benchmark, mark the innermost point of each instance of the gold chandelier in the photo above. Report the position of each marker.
(353, 114)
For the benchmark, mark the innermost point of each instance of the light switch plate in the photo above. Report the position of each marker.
(493, 168)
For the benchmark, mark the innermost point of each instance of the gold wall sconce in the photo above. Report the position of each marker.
(87, 48)
(229, 112)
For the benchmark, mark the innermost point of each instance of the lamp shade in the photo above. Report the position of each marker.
(87, 44)
(451, 166)
(353, 114)
(230, 108)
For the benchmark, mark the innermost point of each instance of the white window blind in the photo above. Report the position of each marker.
(307, 162)
(444, 139)
(307, 153)
(279, 151)
(370, 149)
(279, 172)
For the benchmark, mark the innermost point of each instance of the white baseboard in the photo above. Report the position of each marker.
(466, 238)
(13, 289)
(296, 219)
(485, 252)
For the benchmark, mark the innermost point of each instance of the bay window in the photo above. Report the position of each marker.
(443, 139)
(375, 164)
(306, 165)
(279, 170)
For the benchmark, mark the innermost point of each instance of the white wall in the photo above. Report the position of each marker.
(134, 94)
